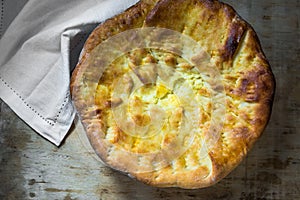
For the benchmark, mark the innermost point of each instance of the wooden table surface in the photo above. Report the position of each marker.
(33, 168)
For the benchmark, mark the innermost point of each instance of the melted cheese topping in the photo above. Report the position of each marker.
(145, 114)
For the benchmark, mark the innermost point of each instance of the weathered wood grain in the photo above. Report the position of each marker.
(32, 168)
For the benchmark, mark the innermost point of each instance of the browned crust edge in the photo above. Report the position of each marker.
(131, 18)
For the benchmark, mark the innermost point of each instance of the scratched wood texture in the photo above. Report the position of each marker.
(32, 168)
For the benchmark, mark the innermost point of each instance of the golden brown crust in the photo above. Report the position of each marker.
(247, 77)
(133, 17)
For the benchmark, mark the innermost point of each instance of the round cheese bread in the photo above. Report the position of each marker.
(173, 92)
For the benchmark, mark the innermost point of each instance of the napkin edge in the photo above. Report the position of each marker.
(32, 119)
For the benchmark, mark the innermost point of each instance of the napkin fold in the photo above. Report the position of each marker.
(38, 52)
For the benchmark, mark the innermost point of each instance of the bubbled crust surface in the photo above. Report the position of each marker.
(247, 77)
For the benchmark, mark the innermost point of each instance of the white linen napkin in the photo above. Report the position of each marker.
(37, 54)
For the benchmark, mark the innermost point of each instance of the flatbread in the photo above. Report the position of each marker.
(152, 112)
